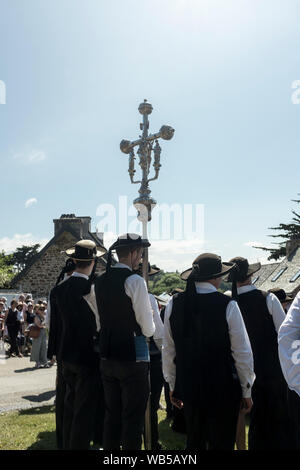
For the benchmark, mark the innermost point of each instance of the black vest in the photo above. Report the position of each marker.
(117, 317)
(262, 334)
(205, 369)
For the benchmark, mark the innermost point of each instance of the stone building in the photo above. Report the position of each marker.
(42, 272)
(284, 274)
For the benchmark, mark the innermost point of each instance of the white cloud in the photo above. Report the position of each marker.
(30, 202)
(8, 245)
(32, 157)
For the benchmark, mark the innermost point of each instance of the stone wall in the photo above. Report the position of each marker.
(42, 275)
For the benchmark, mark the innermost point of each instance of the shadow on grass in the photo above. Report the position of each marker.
(38, 410)
(170, 439)
(45, 396)
(46, 440)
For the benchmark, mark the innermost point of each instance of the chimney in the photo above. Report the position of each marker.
(79, 225)
(292, 244)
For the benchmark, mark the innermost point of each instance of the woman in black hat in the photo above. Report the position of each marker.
(263, 314)
(213, 375)
(125, 321)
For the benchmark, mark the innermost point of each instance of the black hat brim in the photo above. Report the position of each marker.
(226, 268)
(154, 270)
(133, 244)
(252, 269)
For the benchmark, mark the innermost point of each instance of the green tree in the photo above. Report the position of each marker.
(23, 255)
(288, 232)
(6, 270)
(165, 282)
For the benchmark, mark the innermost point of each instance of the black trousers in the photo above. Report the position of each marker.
(13, 331)
(126, 391)
(59, 404)
(270, 425)
(169, 405)
(294, 413)
(79, 405)
(211, 424)
(156, 384)
(99, 412)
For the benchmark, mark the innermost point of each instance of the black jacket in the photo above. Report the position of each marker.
(73, 323)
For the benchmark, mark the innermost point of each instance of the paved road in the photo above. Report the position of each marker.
(22, 386)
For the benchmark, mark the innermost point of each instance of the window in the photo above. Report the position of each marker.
(278, 274)
(295, 276)
(255, 279)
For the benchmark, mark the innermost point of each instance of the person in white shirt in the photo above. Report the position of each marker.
(125, 320)
(289, 356)
(156, 375)
(263, 314)
(207, 357)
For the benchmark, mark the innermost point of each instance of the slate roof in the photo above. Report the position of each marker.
(291, 265)
(265, 271)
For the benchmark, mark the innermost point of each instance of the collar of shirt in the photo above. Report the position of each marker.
(85, 276)
(204, 288)
(122, 265)
(244, 289)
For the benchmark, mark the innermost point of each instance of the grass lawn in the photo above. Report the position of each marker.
(34, 429)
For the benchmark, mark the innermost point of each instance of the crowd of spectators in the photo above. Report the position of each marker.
(17, 322)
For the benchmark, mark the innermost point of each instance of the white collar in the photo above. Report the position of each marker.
(76, 274)
(122, 265)
(244, 289)
(205, 286)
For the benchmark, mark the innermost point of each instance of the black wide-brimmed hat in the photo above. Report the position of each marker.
(281, 294)
(131, 240)
(152, 269)
(207, 266)
(243, 269)
(85, 250)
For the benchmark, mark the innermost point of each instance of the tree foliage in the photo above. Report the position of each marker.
(165, 282)
(288, 232)
(6, 270)
(23, 255)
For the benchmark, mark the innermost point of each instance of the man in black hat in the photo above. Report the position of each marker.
(284, 298)
(76, 347)
(125, 321)
(55, 330)
(213, 374)
(263, 314)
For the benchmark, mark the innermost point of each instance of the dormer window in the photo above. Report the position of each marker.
(295, 277)
(278, 274)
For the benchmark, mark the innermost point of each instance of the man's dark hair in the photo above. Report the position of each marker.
(124, 251)
(83, 264)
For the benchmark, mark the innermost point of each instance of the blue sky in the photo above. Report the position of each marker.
(220, 73)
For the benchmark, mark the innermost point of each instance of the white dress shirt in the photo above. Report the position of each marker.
(273, 304)
(240, 344)
(289, 346)
(136, 288)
